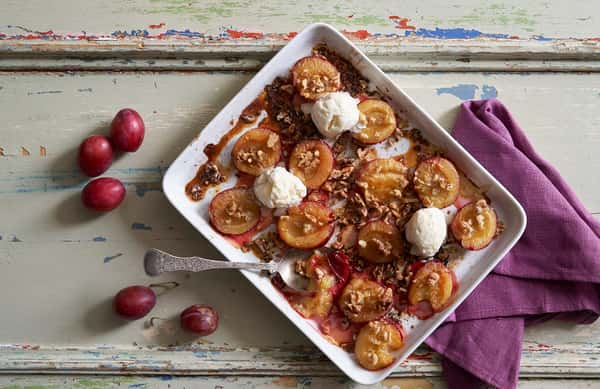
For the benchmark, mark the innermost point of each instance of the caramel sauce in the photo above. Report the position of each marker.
(410, 157)
(196, 189)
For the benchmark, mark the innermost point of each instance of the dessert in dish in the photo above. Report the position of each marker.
(326, 170)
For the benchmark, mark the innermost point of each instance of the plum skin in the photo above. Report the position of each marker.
(127, 130)
(134, 302)
(200, 319)
(95, 155)
(103, 194)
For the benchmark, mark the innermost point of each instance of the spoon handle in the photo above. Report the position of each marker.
(157, 262)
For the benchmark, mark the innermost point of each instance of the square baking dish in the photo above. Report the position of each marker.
(471, 270)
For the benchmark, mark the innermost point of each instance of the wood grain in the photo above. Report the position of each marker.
(65, 263)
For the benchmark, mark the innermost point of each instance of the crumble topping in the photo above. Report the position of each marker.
(234, 211)
(251, 156)
(384, 247)
(351, 79)
(266, 247)
(309, 160)
(433, 279)
(317, 83)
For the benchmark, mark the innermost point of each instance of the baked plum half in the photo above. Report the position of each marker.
(306, 226)
(379, 242)
(234, 211)
(436, 182)
(312, 162)
(314, 76)
(475, 225)
(258, 149)
(363, 300)
(430, 289)
(379, 120)
(376, 343)
(321, 282)
(382, 180)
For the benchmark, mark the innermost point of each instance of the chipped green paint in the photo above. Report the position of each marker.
(13, 386)
(344, 20)
(494, 14)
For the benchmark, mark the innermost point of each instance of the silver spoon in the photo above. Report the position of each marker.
(281, 271)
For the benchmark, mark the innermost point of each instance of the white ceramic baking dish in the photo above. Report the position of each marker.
(470, 271)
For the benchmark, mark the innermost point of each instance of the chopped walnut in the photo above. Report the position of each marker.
(234, 211)
(300, 267)
(433, 278)
(266, 247)
(309, 160)
(316, 83)
(272, 140)
(251, 156)
(372, 357)
(366, 154)
(384, 247)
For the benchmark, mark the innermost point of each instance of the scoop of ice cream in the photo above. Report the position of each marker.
(334, 113)
(278, 188)
(426, 231)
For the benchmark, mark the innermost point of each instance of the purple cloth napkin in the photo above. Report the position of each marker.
(552, 273)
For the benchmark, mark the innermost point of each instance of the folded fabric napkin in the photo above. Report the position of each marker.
(552, 273)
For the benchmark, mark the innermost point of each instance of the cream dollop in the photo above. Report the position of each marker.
(335, 113)
(278, 188)
(426, 231)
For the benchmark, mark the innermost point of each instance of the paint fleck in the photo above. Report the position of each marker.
(140, 226)
(156, 26)
(244, 34)
(137, 385)
(25, 152)
(488, 92)
(44, 92)
(401, 23)
(42, 151)
(462, 91)
(99, 239)
(358, 34)
(111, 257)
(452, 33)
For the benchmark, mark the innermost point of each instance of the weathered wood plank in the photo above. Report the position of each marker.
(192, 35)
(172, 382)
(245, 19)
(65, 263)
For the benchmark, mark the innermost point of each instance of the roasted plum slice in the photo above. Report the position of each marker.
(379, 242)
(432, 284)
(258, 149)
(376, 343)
(311, 161)
(475, 225)
(382, 180)
(321, 282)
(436, 181)
(379, 120)
(314, 76)
(306, 226)
(234, 211)
(363, 300)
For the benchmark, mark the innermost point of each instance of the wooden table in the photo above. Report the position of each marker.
(67, 67)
